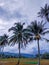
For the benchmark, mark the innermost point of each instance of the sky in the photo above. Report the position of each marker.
(12, 11)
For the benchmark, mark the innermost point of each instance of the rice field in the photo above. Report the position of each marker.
(24, 61)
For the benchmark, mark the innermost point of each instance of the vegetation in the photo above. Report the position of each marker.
(44, 12)
(19, 36)
(37, 30)
(3, 42)
(45, 56)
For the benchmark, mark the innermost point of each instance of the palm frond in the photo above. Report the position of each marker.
(4, 40)
(12, 28)
(47, 40)
(46, 32)
(44, 12)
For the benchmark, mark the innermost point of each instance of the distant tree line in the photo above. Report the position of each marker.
(43, 56)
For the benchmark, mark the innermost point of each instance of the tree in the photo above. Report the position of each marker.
(19, 36)
(3, 41)
(44, 12)
(38, 31)
(45, 55)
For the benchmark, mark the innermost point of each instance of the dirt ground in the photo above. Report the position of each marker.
(22, 62)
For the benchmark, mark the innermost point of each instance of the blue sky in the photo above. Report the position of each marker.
(12, 11)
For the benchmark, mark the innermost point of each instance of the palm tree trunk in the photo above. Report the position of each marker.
(38, 52)
(1, 51)
(19, 54)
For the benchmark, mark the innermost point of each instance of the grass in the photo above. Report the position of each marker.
(24, 61)
(31, 62)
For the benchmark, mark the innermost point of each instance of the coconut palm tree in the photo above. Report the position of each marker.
(44, 12)
(19, 36)
(38, 31)
(3, 41)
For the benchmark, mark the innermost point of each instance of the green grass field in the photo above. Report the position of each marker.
(24, 61)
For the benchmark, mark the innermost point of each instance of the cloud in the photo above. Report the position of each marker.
(1, 4)
(19, 9)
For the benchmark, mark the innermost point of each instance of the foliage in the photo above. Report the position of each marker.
(45, 56)
(44, 12)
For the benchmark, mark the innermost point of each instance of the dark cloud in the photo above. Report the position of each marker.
(7, 15)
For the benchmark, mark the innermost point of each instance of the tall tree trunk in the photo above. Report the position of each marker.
(19, 54)
(1, 50)
(38, 52)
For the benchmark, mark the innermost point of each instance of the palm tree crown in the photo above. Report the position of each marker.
(3, 40)
(38, 29)
(44, 12)
(19, 34)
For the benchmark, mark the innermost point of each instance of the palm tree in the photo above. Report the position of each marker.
(38, 31)
(19, 36)
(44, 12)
(3, 41)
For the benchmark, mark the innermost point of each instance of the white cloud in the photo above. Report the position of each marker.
(1, 4)
(27, 8)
